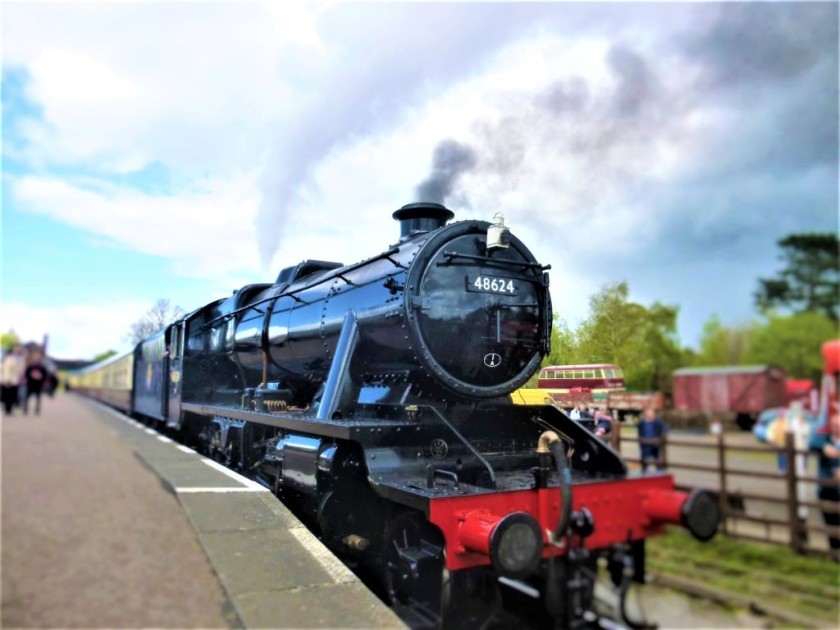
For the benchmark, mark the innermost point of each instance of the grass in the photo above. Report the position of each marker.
(768, 573)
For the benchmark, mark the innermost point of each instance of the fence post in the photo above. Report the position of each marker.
(723, 496)
(663, 451)
(615, 436)
(792, 499)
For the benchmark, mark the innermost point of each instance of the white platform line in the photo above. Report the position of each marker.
(186, 449)
(332, 565)
(164, 439)
(234, 475)
(217, 490)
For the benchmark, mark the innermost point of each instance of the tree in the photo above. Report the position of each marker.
(641, 340)
(721, 345)
(792, 342)
(156, 318)
(9, 340)
(810, 280)
(564, 345)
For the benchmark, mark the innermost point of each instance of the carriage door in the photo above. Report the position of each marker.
(176, 360)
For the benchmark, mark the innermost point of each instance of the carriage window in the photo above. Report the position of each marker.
(609, 373)
(578, 374)
(549, 374)
(599, 373)
(589, 374)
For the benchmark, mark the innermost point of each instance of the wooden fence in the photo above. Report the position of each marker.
(792, 516)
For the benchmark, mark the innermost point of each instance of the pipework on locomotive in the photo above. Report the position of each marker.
(373, 398)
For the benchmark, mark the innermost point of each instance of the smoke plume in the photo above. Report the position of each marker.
(451, 159)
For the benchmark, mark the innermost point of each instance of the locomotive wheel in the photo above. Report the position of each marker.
(414, 568)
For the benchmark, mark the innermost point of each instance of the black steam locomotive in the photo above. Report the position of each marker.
(373, 398)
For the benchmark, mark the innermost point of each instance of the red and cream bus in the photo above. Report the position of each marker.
(598, 378)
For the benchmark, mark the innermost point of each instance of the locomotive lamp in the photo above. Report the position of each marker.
(513, 542)
(497, 234)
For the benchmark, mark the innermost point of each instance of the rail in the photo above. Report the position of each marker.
(774, 506)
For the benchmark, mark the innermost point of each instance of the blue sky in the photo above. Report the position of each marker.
(668, 145)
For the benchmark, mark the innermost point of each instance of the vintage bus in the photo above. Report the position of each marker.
(597, 378)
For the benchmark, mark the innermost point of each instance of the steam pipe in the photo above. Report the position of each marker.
(549, 441)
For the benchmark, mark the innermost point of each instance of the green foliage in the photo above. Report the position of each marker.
(792, 343)
(563, 344)
(641, 340)
(810, 280)
(104, 355)
(8, 340)
(720, 345)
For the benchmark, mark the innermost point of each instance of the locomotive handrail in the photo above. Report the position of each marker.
(468, 444)
(338, 274)
(510, 263)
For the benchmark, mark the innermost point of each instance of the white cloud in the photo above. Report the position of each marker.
(190, 85)
(206, 231)
(76, 331)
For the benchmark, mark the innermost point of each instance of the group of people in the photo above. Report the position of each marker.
(599, 416)
(24, 374)
(651, 431)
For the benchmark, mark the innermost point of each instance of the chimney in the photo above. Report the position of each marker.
(416, 218)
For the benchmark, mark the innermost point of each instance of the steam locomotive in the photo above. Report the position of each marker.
(374, 399)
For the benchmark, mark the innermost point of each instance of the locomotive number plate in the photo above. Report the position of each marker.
(492, 284)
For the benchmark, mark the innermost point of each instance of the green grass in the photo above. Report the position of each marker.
(769, 573)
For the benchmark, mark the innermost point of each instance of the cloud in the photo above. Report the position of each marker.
(198, 99)
(205, 232)
(750, 43)
(76, 331)
(621, 141)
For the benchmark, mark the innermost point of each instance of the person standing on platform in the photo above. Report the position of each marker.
(826, 442)
(651, 428)
(36, 378)
(10, 378)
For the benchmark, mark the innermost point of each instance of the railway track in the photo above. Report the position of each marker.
(766, 580)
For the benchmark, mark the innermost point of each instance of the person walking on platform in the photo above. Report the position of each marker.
(36, 379)
(651, 428)
(826, 442)
(10, 378)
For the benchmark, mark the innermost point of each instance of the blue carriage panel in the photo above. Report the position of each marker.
(151, 376)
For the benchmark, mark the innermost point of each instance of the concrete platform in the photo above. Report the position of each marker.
(267, 570)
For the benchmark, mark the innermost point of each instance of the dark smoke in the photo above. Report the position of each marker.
(634, 87)
(756, 42)
(564, 96)
(451, 159)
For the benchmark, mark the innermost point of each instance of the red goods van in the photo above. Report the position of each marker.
(745, 390)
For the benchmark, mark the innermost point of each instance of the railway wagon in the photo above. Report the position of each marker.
(373, 399)
(745, 390)
(111, 381)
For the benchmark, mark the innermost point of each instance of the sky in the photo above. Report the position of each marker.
(181, 150)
